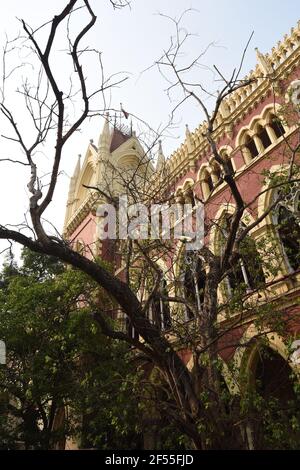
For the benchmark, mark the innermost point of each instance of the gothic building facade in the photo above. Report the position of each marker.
(256, 129)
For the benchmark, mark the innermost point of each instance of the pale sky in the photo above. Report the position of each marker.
(131, 40)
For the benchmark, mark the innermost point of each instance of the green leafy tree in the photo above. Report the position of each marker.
(58, 360)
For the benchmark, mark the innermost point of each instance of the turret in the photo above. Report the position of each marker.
(160, 158)
(104, 138)
(263, 63)
(188, 138)
(73, 180)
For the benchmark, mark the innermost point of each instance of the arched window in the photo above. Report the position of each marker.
(130, 330)
(216, 172)
(271, 379)
(194, 284)
(189, 197)
(160, 309)
(247, 271)
(287, 221)
(251, 146)
(229, 162)
(179, 197)
(277, 127)
(225, 156)
(250, 149)
(206, 183)
(209, 182)
(263, 136)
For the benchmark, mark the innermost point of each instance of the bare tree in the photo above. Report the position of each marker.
(191, 399)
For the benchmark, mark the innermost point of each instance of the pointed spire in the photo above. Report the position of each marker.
(74, 179)
(189, 140)
(160, 158)
(263, 62)
(105, 137)
(77, 167)
(224, 109)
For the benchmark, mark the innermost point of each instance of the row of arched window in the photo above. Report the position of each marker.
(247, 274)
(253, 141)
(211, 175)
(262, 135)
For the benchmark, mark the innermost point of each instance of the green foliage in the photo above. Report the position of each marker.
(57, 359)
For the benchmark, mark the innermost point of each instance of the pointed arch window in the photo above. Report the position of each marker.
(216, 173)
(250, 145)
(247, 272)
(229, 162)
(207, 184)
(277, 127)
(264, 136)
(194, 279)
(286, 218)
(130, 330)
(189, 196)
(160, 308)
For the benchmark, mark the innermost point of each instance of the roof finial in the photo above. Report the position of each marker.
(77, 167)
(105, 137)
(189, 140)
(160, 158)
(263, 62)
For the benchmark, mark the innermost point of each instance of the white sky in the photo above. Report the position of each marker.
(130, 40)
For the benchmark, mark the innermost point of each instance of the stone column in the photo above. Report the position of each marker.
(271, 133)
(258, 143)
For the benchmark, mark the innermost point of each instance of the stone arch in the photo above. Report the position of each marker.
(215, 170)
(244, 355)
(128, 161)
(260, 133)
(240, 135)
(206, 182)
(248, 270)
(266, 370)
(265, 198)
(86, 178)
(226, 150)
(227, 208)
(187, 188)
(268, 224)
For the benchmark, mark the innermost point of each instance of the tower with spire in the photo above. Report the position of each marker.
(118, 150)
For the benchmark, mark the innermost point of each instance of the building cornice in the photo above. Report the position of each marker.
(282, 60)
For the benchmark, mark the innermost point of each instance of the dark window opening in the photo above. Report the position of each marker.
(289, 233)
(264, 137)
(272, 380)
(230, 166)
(217, 172)
(131, 331)
(190, 199)
(194, 286)
(161, 315)
(277, 127)
(250, 145)
(210, 183)
(247, 270)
